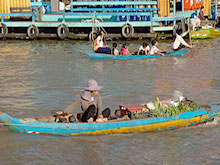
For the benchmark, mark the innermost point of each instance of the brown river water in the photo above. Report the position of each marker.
(39, 76)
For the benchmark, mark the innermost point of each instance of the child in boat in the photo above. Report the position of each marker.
(115, 49)
(144, 49)
(99, 47)
(154, 49)
(179, 41)
(124, 50)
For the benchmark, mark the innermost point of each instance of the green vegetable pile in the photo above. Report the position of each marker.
(165, 110)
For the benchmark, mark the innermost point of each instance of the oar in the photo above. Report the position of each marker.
(190, 41)
(105, 41)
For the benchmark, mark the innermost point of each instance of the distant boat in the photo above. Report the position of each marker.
(169, 52)
(205, 33)
(189, 118)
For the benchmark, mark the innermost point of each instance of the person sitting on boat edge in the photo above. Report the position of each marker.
(204, 20)
(144, 49)
(115, 49)
(124, 50)
(154, 49)
(99, 47)
(91, 104)
(180, 42)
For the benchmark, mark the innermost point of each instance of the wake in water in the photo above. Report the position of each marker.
(216, 121)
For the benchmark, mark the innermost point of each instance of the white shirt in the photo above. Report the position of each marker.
(116, 52)
(179, 40)
(68, 7)
(99, 41)
(195, 22)
(62, 6)
(144, 49)
(153, 50)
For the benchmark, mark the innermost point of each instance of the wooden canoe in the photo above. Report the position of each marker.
(144, 125)
(169, 52)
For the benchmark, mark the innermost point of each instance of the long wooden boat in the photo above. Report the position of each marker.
(204, 33)
(169, 52)
(144, 125)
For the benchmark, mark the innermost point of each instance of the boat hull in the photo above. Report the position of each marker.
(143, 125)
(106, 56)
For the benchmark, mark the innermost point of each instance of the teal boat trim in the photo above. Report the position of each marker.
(170, 52)
(150, 124)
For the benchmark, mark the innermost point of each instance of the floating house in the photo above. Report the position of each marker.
(84, 18)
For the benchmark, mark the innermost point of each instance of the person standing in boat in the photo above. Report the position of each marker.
(154, 49)
(99, 47)
(91, 104)
(180, 42)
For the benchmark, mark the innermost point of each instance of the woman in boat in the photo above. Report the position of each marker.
(154, 49)
(99, 47)
(124, 50)
(180, 42)
(204, 20)
(91, 104)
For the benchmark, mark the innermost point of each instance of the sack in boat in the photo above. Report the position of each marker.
(186, 101)
(65, 118)
(72, 119)
(177, 95)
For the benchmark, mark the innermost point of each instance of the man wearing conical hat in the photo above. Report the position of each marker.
(91, 104)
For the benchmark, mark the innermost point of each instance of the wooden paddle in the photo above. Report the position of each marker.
(190, 40)
(105, 41)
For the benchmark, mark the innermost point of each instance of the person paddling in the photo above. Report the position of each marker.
(91, 104)
(99, 47)
(180, 42)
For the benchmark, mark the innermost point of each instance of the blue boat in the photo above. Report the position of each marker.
(169, 52)
(189, 118)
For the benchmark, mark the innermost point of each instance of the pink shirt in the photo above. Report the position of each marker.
(123, 52)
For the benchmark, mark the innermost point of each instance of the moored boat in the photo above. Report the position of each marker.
(189, 118)
(204, 33)
(169, 52)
